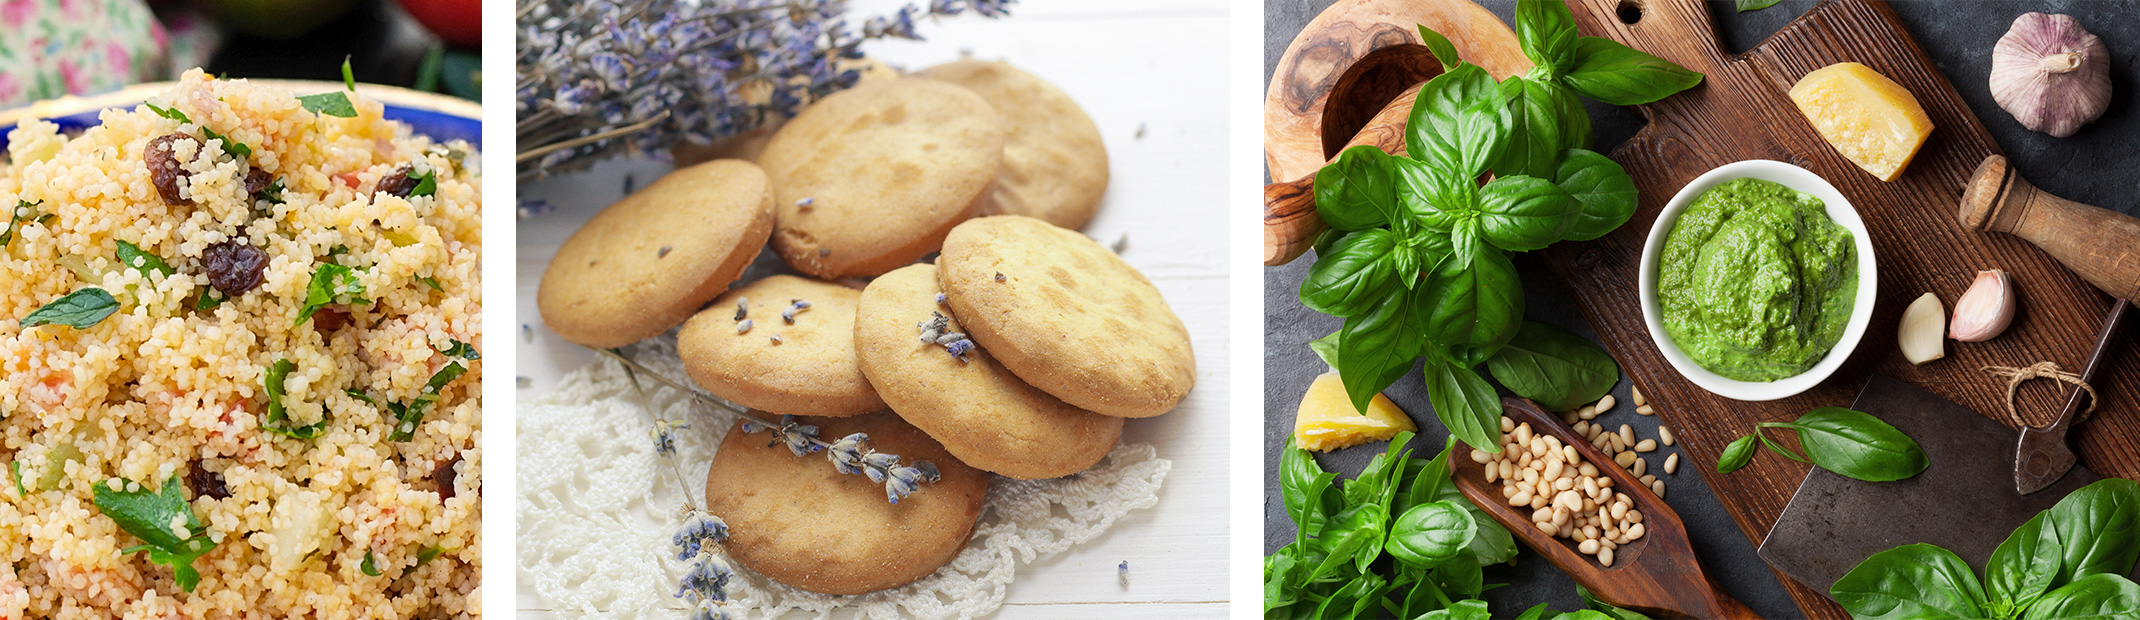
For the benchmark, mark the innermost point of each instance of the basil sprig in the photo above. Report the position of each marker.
(1848, 442)
(2066, 562)
(1416, 259)
(79, 309)
(149, 515)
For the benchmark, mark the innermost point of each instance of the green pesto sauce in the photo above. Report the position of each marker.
(1757, 283)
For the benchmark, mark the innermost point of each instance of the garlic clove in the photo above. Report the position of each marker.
(1985, 311)
(1923, 331)
(2051, 74)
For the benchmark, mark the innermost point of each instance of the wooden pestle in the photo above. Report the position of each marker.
(1290, 224)
(2100, 245)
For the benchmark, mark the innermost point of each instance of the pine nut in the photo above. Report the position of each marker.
(1581, 428)
(1538, 501)
(1618, 511)
(1605, 556)
(1658, 487)
(1538, 448)
(1561, 518)
(1664, 434)
(1588, 470)
(1568, 417)
(1641, 465)
(1607, 543)
(1589, 505)
(1625, 459)
(1590, 531)
(1508, 470)
(1523, 434)
(1605, 482)
(1564, 532)
(1492, 473)
(1480, 456)
(1538, 465)
(1530, 476)
(1645, 410)
(1671, 463)
(1633, 516)
(1604, 495)
(1588, 547)
(1637, 393)
(1590, 487)
(1541, 515)
(1544, 526)
(1522, 498)
(1508, 491)
(1646, 445)
(1646, 480)
(1605, 519)
(1587, 412)
(1563, 484)
(1569, 454)
(1618, 446)
(1553, 469)
(1509, 449)
(1627, 434)
(1605, 404)
(1635, 531)
(1523, 458)
(1508, 424)
(1552, 443)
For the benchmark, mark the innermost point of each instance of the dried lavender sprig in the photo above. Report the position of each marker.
(802, 438)
(598, 77)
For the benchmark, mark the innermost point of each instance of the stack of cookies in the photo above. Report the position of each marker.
(1019, 352)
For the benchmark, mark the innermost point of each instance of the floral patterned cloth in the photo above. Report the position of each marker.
(50, 48)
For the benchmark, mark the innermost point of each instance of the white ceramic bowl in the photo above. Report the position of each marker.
(1839, 209)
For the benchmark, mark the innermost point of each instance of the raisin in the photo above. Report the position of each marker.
(257, 180)
(443, 475)
(399, 183)
(234, 267)
(206, 483)
(327, 321)
(164, 169)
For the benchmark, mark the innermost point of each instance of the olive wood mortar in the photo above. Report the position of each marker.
(2100, 245)
(1656, 575)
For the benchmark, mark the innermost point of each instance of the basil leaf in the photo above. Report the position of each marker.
(1602, 189)
(426, 184)
(233, 147)
(1465, 402)
(331, 104)
(349, 79)
(1737, 454)
(170, 113)
(1425, 598)
(1493, 544)
(1546, 29)
(278, 415)
(1377, 483)
(1358, 190)
(2021, 570)
(149, 515)
(1536, 135)
(79, 309)
(1326, 348)
(1301, 482)
(1435, 199)
(1858, 445)
(2098, 528)
(1443, 50)
(1425, 484)
(1536, 612)
(1918, 581)
(330, 282)
(1755, 5)
(1459, 122)
(1611, 612)
(272, 193)
(1613, 73)
(1430, 534)
(1520, 214)
(1354, 277)
(208, 299)
(1463, 579)
(1554, 367)
(431, 282)
(1355, 532)
(1377, 347)
(1354, 599)
(22, 211)
(2102, 596)
(135, 258)
(1475, 311)
(408, 416)
(1464, 244)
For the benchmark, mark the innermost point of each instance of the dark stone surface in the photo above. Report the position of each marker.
(2098, 165)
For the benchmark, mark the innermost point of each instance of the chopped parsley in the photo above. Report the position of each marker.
(149, 516)
(79, 309)
(208, 300)
(431, 282)
(428, 554)
(369, 567)
(17, 468)
(233, 147)
(407, 416)
(334, 103)
(331, 283)
(463, 350)
(143, 261)
(426, 183)
(14, 221)
(273, 192)
(278, 417)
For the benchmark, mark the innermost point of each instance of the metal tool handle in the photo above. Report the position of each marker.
(2042, 454)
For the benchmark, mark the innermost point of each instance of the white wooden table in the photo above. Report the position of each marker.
(1150, 73)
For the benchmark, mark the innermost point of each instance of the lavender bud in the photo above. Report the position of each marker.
(876, 464)
(928, 471)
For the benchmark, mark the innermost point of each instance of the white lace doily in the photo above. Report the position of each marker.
(597, 507)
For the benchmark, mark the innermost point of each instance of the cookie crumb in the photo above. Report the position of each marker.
(664, 252)
(743, 326)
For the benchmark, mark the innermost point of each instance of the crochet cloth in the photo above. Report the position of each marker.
(597, 507)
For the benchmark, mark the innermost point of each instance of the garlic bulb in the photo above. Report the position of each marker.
(1923, 330)
(1985, 310)
(2050, 73)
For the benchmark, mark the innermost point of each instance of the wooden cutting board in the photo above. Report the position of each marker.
(1742, 111)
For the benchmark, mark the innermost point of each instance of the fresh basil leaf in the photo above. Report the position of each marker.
(1920, 582)
(278, 415)
(1377, 483)
(149, 516)
(1536, 612)
(463, 350)
(1436, 199)
(427, 554)
(426, 184)
(1583, 614)
(1574, 119)
(1468, 609)
(145, 262)
(208, 299)
(1474, 310)
(1425, 598)
(1376, 348)
(1425, 485)
(1354, 533)
(2102, 596)
(15, 467)
(1357, 275)
(1354, 599)
(1443, 50)
(1535, 140)
(1358, 190)
(349, 78)
(1755, 5)
(170, 113)
(431, 282)
(23, 211)
(1601, 187)
(233, 147)
(331, 104)
(408, 416)
(1278, 571)
(1520, 214)
(1493, 544)
(1858, 445)
(1430, 534)
(1462, 578)
(1465, 402)
(2022, 568)
(1301, 482)
(1554, 367)
(1613, 73)
(1465, 244)
(331, 283)
(1326, 348)
(1737, 454)
(1546, 29)
(1600, 606)
(1459, 122)
(79, 309)
(273, 192)
(2098, 528)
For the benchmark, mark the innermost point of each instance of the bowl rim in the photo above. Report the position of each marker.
(1838, 208)
(134, 94)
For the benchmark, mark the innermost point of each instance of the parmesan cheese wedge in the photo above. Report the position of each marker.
(1327, 420)
(1870, 119)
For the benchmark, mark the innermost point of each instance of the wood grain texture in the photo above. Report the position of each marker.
(1656, 574)
(1742, 111)
(1290, 223)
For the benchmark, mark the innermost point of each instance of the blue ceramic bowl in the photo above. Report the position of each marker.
(437, 116)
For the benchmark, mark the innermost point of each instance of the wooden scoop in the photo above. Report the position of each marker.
(1656, 575)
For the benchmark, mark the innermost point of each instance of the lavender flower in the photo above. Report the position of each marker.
(707, 580)
(801, 438)
(596, 78)
(940, 298)
(706, 610)
(846, 454)
(959, 348)
(665, 436)
(901, 482)
(794, 306)
(698, 530)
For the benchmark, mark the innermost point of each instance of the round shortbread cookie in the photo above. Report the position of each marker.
(982, 413)
(802, 523)
(648, 261)
(1067, 315)
(871, 178)
(1054, 162)
(804, 367)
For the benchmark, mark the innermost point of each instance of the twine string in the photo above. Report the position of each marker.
(2040, 370)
